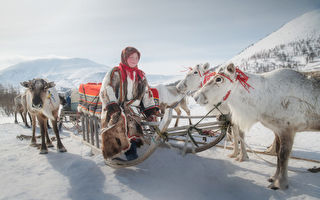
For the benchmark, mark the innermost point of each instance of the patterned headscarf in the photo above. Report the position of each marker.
(128, 51)
(124, 67)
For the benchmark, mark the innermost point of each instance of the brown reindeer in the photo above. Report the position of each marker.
(43, 104)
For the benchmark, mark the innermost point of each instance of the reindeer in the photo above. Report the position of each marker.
(285, 101)
(21, 107)
(43, 104)
(193, 81)
(170, 95)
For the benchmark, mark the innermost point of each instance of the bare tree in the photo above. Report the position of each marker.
(7, 95)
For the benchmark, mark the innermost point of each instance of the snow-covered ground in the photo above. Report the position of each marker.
(79, 175)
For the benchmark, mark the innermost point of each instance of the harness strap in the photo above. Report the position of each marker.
(198, 129)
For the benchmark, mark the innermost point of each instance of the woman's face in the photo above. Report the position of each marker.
(133, 60)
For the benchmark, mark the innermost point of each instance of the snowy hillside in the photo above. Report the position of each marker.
(66, 73)
(295, 45)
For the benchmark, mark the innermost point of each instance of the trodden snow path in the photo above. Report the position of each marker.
(78, 175)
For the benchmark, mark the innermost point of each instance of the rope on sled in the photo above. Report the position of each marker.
(189, 135)
(312, 170)
(29, 137)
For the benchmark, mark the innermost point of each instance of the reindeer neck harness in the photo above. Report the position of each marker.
(241, 77)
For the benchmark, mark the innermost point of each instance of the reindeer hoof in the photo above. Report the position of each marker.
(232, 155)
(277, 184)
(43, 151)
(273, 187)
(242, 158)
(34, 144)
(50, 145)
(16, 122)
(61, 150)
(270, 180)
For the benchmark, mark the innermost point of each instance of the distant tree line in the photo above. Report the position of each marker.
(292, 55)
(7, 95)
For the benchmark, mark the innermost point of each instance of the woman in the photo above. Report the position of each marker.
(126, 85)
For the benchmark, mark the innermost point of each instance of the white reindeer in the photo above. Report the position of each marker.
(193, 81)
(170, 95)
(43, 104)
(284, 101)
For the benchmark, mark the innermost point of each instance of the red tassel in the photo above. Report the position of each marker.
(243, 78)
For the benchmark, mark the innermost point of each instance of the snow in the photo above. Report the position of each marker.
(301, 28)
(77, 174)
(80, 175)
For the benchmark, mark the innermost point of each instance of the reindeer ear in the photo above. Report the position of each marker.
(231, 68)
(206, 66)
(50, 85)
(25, 84)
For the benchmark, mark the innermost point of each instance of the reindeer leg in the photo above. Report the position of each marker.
(43, 147)
(15, 117)
(60, 146)
(272, 149)
(48, 125)
(184, 106)
(25, 119)
(33, 138)
(277, 146)
(21, 114)
(286, 143)
(49, 143)
(243, 151)
(235, 134)
(178, 111)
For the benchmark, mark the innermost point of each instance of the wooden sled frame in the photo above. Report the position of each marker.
(156, 134)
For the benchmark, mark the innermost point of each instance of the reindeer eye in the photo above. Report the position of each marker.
(195, 72)
(218, 80)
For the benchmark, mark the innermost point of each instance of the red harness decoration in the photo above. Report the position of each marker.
(243, 78)
(155, 94)
(207, 76)
(227, 95)
(187, 69)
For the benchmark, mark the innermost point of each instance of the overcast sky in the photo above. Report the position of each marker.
(170, 34)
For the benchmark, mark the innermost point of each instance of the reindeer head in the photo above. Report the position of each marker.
(217, 89)
(39, 91)
(194, 78)
(63, 101)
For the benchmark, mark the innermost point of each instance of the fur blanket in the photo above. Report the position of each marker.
(122, 128)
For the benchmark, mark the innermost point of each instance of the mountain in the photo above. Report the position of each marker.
(66, 73)
(295, 45)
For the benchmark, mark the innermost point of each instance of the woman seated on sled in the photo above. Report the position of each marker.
(123, 86)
